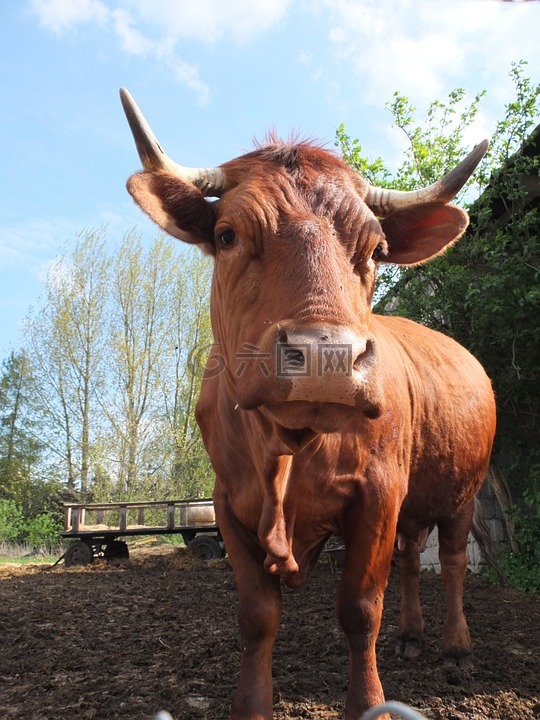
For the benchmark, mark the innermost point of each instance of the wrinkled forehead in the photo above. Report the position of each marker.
(282, 184)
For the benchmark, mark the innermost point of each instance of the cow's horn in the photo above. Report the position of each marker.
(383, 201)
(210, 181)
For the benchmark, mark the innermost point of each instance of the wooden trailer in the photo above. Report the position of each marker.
(97, 527)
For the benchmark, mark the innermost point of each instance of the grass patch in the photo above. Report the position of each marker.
(22, 553)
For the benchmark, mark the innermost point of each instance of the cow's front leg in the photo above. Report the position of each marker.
(259, 615)
(369, 546)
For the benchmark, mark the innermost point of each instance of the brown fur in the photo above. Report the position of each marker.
(398, 443)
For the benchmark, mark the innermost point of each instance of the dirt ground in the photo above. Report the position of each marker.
(159, 632)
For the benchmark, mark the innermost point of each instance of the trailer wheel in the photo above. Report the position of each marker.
(116, 549)
(78, 553)
(206, 547)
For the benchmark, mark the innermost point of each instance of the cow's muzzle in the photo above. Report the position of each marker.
(324, 364)
(311, 377)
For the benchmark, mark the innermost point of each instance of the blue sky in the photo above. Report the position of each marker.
(210, 76)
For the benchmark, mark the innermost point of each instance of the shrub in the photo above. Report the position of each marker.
(42, 530)
(11, 521)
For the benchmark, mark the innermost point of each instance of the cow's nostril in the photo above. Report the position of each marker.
(292, 357)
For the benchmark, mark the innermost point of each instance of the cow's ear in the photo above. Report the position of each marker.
(178, 207)
(421, 232)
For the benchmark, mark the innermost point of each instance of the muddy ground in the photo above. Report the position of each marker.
(159, 631)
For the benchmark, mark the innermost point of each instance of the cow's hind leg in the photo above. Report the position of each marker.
(411, 632)
(453, 534)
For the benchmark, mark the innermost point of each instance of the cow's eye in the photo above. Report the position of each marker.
(227, 238)
(378, 253)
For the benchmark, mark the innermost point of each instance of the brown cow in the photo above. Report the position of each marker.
(319, 417)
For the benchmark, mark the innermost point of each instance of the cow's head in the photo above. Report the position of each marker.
(296, 237)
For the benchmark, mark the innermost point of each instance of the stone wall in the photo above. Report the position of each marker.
(493, 516)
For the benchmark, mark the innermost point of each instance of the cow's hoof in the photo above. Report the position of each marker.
(461, 659)
(409, 647)
(457, 664)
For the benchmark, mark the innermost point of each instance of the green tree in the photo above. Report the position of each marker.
(144, 329)
(160, 333)
(65, 339)
(100, 403)
(117, 350)
(180, 381)
(20, 451)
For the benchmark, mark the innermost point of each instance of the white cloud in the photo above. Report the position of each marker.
(210, 20)
(391, 45)
(425, 47)
(132, 40)
(203, 20)
(62, 15)
(165, 23)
